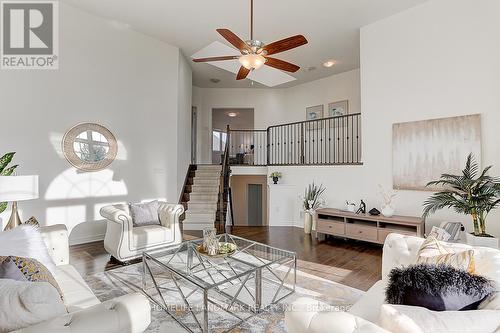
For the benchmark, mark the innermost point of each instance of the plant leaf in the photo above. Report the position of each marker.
(9, 171)
(5, 160)
(3, 207)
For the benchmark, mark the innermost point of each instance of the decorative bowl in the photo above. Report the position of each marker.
(225, 250)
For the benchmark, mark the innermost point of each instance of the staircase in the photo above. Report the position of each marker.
(201, 197)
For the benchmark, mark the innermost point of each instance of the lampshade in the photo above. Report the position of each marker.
(250, 61)
(18, 188)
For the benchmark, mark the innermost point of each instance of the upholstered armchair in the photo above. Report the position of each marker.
(125, 242)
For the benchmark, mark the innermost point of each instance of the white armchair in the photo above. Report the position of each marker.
(125, 242)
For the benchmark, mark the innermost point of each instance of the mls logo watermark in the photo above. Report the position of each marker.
(30, 35)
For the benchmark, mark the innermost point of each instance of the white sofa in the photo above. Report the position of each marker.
(126, 314)
(126, 242)
(306, 315)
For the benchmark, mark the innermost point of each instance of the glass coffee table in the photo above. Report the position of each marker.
(205, 294)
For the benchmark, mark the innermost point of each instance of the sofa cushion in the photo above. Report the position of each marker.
(144, 213)
(413, 319)
(76, 293)
(368, 307)
(30, 270)
(151, 235)
(24, 303)
(439, 288)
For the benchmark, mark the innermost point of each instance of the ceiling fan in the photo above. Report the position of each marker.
(255, 54)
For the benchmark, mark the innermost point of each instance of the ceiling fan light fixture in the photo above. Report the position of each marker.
(252, 61)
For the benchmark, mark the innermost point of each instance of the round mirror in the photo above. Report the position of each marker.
(89, 147)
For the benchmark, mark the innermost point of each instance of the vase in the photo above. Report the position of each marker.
(275, 180)
(387, 210)
(210, 241)
(481, 241)
(307, 222)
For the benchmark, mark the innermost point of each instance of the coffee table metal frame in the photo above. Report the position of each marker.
(205, 275)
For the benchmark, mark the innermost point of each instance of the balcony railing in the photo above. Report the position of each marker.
(326, 141)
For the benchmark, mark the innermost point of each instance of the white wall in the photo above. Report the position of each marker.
(273, 106)
(136, 86)
(436, 60)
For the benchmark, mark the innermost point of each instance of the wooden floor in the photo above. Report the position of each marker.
(353, 263)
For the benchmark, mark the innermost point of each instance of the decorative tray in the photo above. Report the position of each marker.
(225, 250)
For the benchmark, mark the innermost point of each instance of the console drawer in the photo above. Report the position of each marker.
(330, 227)
(361, 232)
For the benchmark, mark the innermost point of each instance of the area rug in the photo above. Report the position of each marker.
(128, 279)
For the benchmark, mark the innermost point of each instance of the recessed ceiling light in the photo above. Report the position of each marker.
(215, 80)
(329, 63)
(312, 68)
(232, 114)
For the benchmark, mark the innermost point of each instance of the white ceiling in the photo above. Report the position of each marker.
(331, 27)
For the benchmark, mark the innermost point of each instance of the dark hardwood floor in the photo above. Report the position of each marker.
(353, 263)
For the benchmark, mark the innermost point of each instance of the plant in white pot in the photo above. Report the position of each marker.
(472, 193)
(388, 206)
(311, 201)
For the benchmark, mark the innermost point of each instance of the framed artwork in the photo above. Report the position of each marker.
(314, 112)
(336, 109)
(423, 150)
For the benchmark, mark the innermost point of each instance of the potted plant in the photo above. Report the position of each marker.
(311, 201)
(275, 176)
(472, 193)
(387, 208)
(5, 170)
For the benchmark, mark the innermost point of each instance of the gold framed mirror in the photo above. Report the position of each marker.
(89, 147)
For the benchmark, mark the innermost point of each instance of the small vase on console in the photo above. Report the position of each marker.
(387, 210)
(308, 221)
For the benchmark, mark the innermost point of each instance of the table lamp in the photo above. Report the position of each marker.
(14, 189)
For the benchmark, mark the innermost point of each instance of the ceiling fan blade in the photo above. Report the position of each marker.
(280, 64)
(242, 73)
(285, 44)
(233, 39)
(216, 58)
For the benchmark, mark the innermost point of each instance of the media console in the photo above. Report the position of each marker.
(364, 226)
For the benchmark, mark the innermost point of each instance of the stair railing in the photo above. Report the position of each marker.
(224, 184)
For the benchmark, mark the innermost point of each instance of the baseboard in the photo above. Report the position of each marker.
(85, 239)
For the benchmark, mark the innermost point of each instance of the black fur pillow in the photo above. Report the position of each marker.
(437, 288)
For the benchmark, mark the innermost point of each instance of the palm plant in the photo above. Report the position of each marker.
(5, 170)
(472, 193)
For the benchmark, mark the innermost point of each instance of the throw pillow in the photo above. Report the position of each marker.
(32, 221)
(144, 213)
(433, 251)
(413, 319)
(437, 287)
(26, 241)
(27, 270)
(24, 303)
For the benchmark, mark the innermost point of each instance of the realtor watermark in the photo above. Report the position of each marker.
(29, 35)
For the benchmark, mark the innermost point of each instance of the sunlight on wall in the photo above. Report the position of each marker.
(68, 215)
(72, 185)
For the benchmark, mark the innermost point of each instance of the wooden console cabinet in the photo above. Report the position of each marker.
(364, 226)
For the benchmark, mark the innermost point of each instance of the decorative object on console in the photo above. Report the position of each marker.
(350, 206)
(474, 193)
(439, 234)
(437, 288)
(374, 212)
(423, 150)
(275, 176)
(314, 112)
(14, 189)
(312, 200)
(388, 196)
(89, 147)
(6, 171)
(144, 213)
(362, 208)
(337, 109)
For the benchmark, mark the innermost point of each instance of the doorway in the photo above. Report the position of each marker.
(236, 118)
(249, 199)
